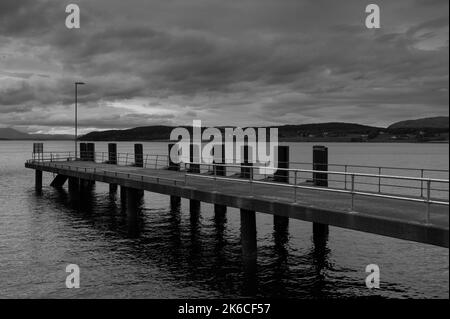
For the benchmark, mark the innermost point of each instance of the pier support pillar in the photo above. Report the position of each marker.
(59, 181)
(123, 195)
(220, 210)
(248, 233)
(246, 169)
(320, 234)
(112, 189)
(194, 206)
(74, 185)
(133, 201)
(38, 180)
(194, 157)
(175, 201)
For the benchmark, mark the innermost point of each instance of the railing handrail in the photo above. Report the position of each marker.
(271, 168)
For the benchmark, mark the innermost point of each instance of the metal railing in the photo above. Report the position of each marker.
(432, 191)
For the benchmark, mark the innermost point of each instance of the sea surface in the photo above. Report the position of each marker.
(168, 254)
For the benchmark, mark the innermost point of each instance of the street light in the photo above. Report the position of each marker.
(76, 117)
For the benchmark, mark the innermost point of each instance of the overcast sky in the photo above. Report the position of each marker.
(225, 62)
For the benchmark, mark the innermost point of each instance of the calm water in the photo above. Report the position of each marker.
(167, 254)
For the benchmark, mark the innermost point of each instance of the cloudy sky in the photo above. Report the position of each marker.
(233, 62)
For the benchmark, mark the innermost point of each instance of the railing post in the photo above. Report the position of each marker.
(156, 162)
(185, 174)
(345, 176)
(295, 186)
(146, 159)
(379, 179)
(353, 192)
(421, 183)
(428, 200)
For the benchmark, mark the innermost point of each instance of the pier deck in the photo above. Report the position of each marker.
(383, 216)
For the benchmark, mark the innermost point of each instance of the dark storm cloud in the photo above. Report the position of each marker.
(241, 62)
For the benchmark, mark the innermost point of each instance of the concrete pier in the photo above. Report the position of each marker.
(175, 201)
(402, 219)
(113, 189)
(220, 210)
(248, 233)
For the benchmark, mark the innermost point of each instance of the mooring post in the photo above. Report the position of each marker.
(219, 170)
(38, 180)
(246, 169)
(174, 163)
(194, 156)
(112, 153)
(248, 233)
(320, 163)
(90, 155)
(83, 151)
(138, 155)
(281, 223)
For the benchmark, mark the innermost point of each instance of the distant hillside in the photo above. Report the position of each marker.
(12, 134)
(440, 122)
(149, 133)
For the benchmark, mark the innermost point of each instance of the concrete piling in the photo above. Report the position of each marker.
(38, 180)
(248, 233)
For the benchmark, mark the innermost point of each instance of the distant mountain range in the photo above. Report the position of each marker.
(12, 134)
(425, 129)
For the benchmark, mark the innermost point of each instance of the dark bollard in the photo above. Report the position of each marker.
(281, 223)
(246, 169)
(83, 151)
(194, 157)
(320, 163)
(219, 158)
(282, 175)
(174, 163)
(138, 155)
(112, 153)
(90, 155)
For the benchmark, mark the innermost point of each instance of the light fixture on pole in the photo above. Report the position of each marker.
(76, 117)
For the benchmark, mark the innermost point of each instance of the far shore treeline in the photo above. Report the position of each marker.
(435, 129)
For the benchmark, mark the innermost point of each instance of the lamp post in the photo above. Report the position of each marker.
(76, 117)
